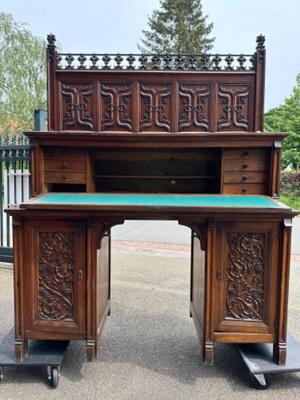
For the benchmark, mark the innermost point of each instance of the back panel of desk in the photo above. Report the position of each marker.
(156, 93)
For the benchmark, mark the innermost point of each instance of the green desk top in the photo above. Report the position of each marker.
(158, 200)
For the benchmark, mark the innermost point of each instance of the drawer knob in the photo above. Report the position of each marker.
(65, 177)
(246, 153)
(244, 178)
(244, 190)
(173, 182)
(245, 166)
(65, 164)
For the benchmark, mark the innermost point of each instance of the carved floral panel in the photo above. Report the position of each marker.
(246, 264)
(193, 107)
(116, 107)
(56, 269)
(233, 107)
(77, 106)
(155, 108)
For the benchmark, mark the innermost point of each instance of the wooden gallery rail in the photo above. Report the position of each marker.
(176, 137)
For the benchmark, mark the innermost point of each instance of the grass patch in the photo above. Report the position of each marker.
(291, 201)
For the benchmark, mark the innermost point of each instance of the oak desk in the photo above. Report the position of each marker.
(176, 137)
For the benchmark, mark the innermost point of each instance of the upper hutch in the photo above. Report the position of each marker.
(207, 109)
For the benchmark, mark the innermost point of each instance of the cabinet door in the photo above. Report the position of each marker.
(55, 279)
(246, 277)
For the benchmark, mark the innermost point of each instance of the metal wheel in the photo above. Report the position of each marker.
(260, 381)
(1, 374)
(54, 377)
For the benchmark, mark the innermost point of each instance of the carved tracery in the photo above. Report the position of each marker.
(155, 107)
(56, 265)
(77, 106)
(233, 107)
(116, 106)
(245, 276)
(193, 107)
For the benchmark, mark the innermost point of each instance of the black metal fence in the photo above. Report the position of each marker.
(14, 185)
(14, 179)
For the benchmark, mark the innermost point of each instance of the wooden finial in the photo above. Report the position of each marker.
(260, 40)
(260, 48)
(51, 39)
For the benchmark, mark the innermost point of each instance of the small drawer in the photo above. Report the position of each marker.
(65, 153)
(245, 165)
(66, 164)
(250, 188)
(235, 154)
(65, 177)
(247, 177)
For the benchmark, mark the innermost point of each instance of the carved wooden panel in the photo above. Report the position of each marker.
(77, 106)
(193, 107)
(116, 107)
(56, 266)
(55, 277)
(246, 264)
(233, 107)
(155, 108)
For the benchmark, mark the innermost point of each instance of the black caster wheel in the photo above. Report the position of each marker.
(1, 374)
(54, 377)
(260, 381)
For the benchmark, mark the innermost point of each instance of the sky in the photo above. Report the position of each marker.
(116, 25)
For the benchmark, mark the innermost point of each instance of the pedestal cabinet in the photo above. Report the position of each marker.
(62, 280)
(55, 278)
(241, 269)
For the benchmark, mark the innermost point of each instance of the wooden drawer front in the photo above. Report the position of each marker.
(57, 164)
(247, 177)
(65, 153)
(65, 177)
(246, 154)
(245, 165)
(248, 188)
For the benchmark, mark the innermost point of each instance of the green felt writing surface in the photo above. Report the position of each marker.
(159, 200)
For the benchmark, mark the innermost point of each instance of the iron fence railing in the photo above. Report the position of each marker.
(14, 185)
(14, 179)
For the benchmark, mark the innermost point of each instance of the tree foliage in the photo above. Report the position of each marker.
(286, 118)
(22, 74)
(178, 26)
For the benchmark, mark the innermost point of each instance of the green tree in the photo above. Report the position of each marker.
(286, 118)
(178, 26)
(22, 74)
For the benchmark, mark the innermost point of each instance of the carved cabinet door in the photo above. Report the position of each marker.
(246, 277)
(55, 278)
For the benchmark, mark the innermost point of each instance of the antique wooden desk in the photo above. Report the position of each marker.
(154, 137)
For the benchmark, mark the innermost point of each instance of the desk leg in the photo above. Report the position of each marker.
(208, 353)
(21, 344)
(208, 346)
(98, 293)
(91, 350)
(203, 238)
(279, 353)
(280, 348)
(21, 349)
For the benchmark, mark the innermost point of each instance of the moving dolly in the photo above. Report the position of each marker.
(41, 353)
(258, 359)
